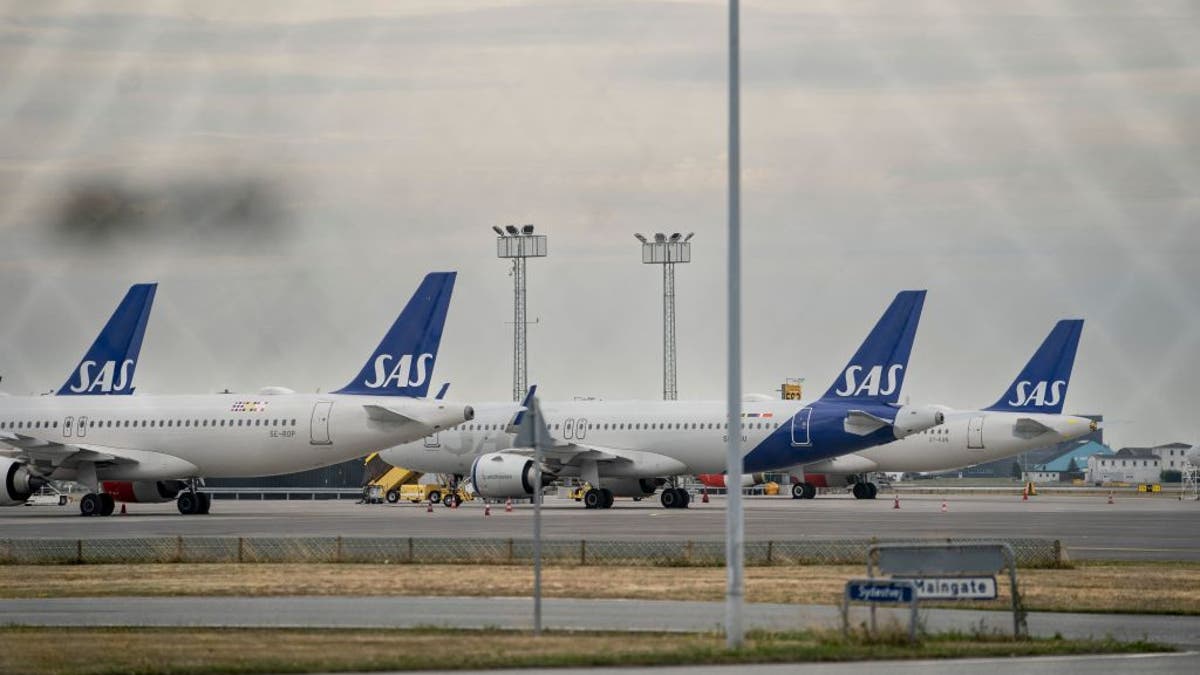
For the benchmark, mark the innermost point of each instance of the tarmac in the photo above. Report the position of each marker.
(1136, 528)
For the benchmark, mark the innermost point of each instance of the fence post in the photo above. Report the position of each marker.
(510, 550)
(79, 551)
(410, 549)
(338, 558)
(240, 547)
(770, 551)
(583, 551)
(179, 548)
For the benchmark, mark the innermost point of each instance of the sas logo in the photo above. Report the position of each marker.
(95, 378)
(872, 382)
(1045, 393)
(388, 374)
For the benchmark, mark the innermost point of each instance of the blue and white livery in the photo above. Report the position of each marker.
(157, 448)
(624, 448)
(109, 365)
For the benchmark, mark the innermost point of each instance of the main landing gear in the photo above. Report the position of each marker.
(192, 503)
(865, 490)
(675, 498)
(803, 491)
(97, 504)
(598, 498)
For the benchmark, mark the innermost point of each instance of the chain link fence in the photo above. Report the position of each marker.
(1031, 553)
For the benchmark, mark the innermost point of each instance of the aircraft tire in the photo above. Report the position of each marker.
(861, 491)
(684, 498)
(669, 498)
(188, 503)
(593, 499)
(107, 504)
(205, 503)
(798, 490)
(810, 491)
(872, 490)
(608, 498)
(90, 505)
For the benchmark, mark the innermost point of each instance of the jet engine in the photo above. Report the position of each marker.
(17, 482)
(632, 487)
(144, 491)
(913, 419)
(497, 475)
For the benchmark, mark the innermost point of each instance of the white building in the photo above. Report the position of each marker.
(1127, 465)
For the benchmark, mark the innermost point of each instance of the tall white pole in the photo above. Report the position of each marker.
(734, 534)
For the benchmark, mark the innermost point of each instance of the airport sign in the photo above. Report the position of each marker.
(955, 588)
(880, 590)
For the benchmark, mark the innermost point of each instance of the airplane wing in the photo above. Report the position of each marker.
(48, 455)
(861, 423)
(574, 454)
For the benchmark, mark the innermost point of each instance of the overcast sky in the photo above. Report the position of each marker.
(287, 171)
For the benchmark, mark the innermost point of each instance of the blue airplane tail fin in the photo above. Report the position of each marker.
(876, 373)
(403, 362)
(108, 366)
(1042, 384)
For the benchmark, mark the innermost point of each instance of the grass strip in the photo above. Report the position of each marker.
(1148, 588)
(193, 651)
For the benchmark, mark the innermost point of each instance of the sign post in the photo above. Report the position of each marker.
(886, 591)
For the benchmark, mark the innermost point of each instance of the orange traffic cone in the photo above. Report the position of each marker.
(944, 509)
(896, 504)
(508, 505)
(1110, 499)
(487, 509)
(429, 507)
(122, 509)
(704, 495)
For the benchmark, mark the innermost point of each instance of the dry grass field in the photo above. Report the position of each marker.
(1170, 588)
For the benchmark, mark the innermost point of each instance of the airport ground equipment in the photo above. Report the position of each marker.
(943, 572)
(383, 481)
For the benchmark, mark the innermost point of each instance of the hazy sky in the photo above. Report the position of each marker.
(289, 170)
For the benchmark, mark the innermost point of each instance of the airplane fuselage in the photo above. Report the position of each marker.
(209, 435)
(683, 436)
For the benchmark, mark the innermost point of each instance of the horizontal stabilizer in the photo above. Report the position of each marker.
(1027, 426)
(379, 413)
(861, 423)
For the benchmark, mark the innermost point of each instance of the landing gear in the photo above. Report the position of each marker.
(598, 498)
(192, 503)
(803, 491)
(97, 504)
(675, 498)
(865, 490)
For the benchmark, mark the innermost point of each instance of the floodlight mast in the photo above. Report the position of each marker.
(517, 245)
(667, 250)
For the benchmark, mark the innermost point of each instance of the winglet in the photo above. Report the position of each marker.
(1042, 384)
(109, 365)
(876, 372)
(403, 361)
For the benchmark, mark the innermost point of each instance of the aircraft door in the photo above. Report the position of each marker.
(320, 423)
(581, 428)
(975, 433)
(800, 432)
(569, 428)
(82, 428)
(67, 427)
(432, 442)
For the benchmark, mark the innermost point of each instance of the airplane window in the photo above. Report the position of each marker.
(187, 423)
(55, 424)
(293, 422)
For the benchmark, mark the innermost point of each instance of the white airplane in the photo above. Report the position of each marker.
(1028, 416)
(157, 448)
(623, 448)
